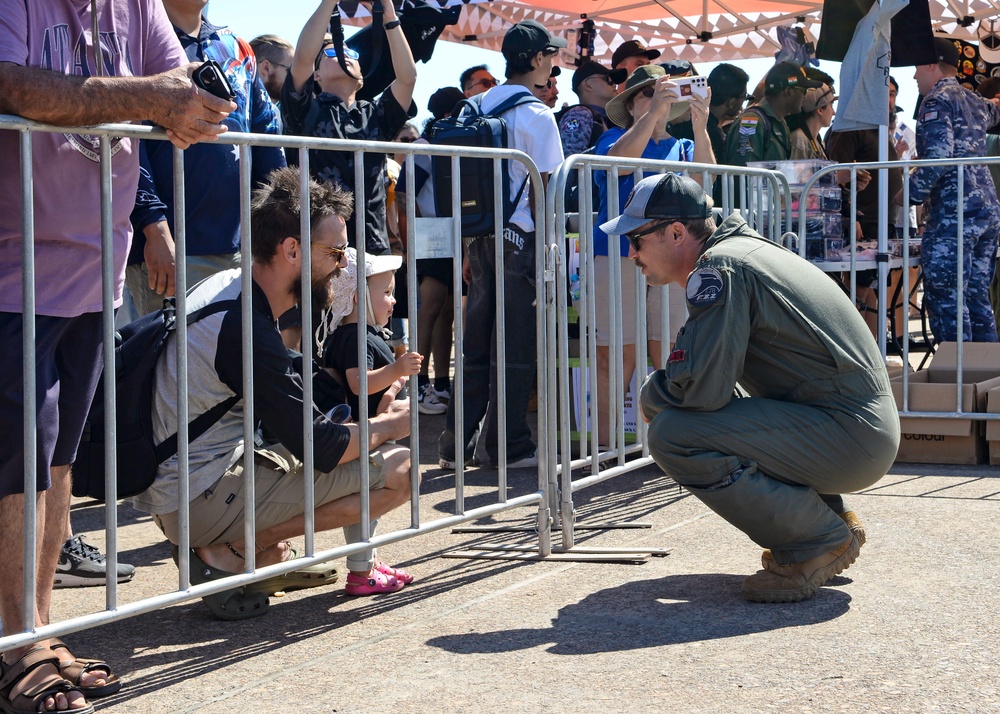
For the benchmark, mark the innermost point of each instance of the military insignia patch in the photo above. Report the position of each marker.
(676, 356)
(704, 286)
(929, 116)
(573, 124)
(748, 125)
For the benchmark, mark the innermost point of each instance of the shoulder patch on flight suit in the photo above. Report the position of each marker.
(573, 124)
(929, 116)
(704, 286)
(675, 356)
(748, 125)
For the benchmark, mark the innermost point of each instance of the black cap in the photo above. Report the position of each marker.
(591, 69)
(787, 74)
(667, 196)
(945, 51)
(527, 38)
(443, 101)
(679, 68)
(631, 49)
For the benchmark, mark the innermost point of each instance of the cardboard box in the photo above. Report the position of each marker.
(948, 441)
(993, 427)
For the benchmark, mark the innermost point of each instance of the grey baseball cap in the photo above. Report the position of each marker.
(665, 196)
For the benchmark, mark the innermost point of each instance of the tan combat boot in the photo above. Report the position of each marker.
(848, 517)
(800, 581)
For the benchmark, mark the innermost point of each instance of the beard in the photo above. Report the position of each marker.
(322, 291)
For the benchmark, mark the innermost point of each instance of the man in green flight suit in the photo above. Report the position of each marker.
(760, 132)
(775, 399)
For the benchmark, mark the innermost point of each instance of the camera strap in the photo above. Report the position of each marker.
(95, 38)
(336, 30)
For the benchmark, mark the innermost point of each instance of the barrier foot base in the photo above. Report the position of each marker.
(576, 554)
(555, 527)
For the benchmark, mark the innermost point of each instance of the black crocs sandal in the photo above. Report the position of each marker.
(235, 604)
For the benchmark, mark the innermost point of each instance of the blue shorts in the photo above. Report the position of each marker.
(69, 362)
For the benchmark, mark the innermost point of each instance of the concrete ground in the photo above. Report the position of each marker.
(912, 626)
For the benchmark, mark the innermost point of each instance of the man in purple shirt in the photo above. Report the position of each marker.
(49, 73)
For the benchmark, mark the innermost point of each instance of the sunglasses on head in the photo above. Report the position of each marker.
(549, 51)
(331, 51)
(336, 253)
(636, 238)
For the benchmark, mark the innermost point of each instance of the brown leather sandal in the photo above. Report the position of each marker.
(73, 673)
(29, 699)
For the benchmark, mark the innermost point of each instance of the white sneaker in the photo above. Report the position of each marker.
(525, 462)
(443, 395)
(428, 402)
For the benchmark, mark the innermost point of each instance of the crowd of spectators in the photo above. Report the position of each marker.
(632, 108)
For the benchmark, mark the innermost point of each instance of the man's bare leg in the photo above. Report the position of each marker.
(335, 514)
(11, 593)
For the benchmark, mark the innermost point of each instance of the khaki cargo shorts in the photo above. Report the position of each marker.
(217, 514)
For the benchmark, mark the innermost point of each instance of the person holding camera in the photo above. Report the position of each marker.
(318, 100)
(640, 113)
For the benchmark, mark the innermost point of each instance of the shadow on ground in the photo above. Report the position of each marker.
(653, 613)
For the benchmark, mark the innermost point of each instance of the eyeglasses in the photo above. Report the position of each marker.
(287, 67)
(636, 238)
(404, 140)
(348, 52)
(647, 92)
(487, 82)
(336, 253)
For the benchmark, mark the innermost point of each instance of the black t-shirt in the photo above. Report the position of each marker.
(341, 353)
(326, 116)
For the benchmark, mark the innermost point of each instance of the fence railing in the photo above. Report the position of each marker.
(765, 200)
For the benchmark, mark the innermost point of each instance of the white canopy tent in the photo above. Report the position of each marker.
(696, 30)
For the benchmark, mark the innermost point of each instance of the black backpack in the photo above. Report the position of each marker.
(138, 347)
(468, 125)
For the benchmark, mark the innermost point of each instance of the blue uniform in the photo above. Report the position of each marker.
(952, 124)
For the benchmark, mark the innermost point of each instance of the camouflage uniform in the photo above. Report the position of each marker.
(953, 123)
(820, 416)
(757, 135)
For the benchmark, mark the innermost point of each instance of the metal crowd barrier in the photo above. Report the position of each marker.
(766, 206)
(115, 610)
(886, 260)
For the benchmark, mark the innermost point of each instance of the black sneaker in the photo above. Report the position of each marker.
(81, 565)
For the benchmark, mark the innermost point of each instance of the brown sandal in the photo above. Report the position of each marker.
(27, 700)
(73, 673)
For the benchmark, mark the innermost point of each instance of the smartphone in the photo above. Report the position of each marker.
(689, 87)
(211, 78)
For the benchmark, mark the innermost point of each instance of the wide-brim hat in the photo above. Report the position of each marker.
(661, 197)
(644, 76)
(617, 107)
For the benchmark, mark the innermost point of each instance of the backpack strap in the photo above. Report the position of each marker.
(202, 423)
(516, 101)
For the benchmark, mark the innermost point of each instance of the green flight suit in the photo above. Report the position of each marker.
(819, 419)
(757, 135)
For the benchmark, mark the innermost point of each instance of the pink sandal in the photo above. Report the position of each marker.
(375, 583)
(400, 575)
